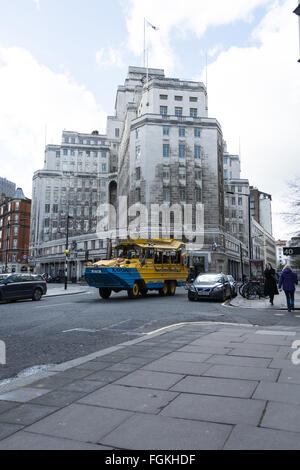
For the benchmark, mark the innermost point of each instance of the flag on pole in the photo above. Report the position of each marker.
(151, 25)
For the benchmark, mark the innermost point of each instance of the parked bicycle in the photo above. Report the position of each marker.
(252, 289)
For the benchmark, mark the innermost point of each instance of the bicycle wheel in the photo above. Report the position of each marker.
(252, 292)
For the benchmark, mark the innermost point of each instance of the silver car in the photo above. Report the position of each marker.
(210, 286)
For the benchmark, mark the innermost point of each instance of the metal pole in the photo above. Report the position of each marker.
(7, 246)
(250, 239)
(66, 259)
(242, 267)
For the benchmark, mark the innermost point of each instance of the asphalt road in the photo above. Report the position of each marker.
(58, 329)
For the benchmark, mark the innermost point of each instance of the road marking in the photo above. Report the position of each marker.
(279, 333)
(54, 305)
(81, 329)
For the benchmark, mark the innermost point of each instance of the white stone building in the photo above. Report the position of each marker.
(76, 177)
(161, 149)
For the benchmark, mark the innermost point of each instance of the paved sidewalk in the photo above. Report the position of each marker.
(192, 386)
(279, 302)
(59, 289)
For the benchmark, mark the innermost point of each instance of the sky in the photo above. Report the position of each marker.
(61, 62)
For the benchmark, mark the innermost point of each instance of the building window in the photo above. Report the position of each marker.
(166, 173)
(182, 194)
(181, 151)
(198, 174)
(117, 132)
(137, 194)
(15, 243)
(137, 152)
(233, 201)
(198, 194)
(178, 98)
(197, 132)
(163, 97)
(65, 151)
(166, 150)
(181, 131)
(16, 230)
(86, 211)
(197, 151)
(163, 110)
(138, 173)
(178, 111)
(225, 173)
(58, 153)
(166, 194)
(193, 112)
(166, 130)
(193, 99)
(47, 208)
(240, 201)
(103, 154)
(182, 173)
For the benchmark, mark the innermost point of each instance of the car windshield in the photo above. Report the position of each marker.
(208, 279)
(2, 277)
(230, 278)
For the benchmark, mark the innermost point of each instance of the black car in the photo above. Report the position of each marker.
(22, 286)
(210, 286)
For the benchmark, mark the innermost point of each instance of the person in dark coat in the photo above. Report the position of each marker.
(270, 287)
(287, 280)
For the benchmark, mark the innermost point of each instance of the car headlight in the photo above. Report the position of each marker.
(192, 288)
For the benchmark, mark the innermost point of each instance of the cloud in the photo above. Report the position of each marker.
(109, 57)
(175, 16)
(33, 96)
(254, 92)
(37, 2)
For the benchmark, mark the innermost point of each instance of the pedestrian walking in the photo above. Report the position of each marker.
(288, 280)
(270, 286)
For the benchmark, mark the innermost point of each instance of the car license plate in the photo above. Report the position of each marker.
(203, 292)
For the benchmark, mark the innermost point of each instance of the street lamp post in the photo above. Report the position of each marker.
(67, 253)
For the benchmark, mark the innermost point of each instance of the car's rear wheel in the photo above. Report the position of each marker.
(104, 292)
(37, 295)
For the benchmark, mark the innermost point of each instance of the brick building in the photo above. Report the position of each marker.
(14, 232)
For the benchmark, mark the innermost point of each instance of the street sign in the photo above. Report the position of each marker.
(291, 250)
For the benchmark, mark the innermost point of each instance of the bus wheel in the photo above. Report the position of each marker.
(172, 288)
(164, 291)
(104, 292)
(134, 292)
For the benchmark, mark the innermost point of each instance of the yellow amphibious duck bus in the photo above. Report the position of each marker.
(139, 266)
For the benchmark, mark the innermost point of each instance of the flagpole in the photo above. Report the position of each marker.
(144, 42)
